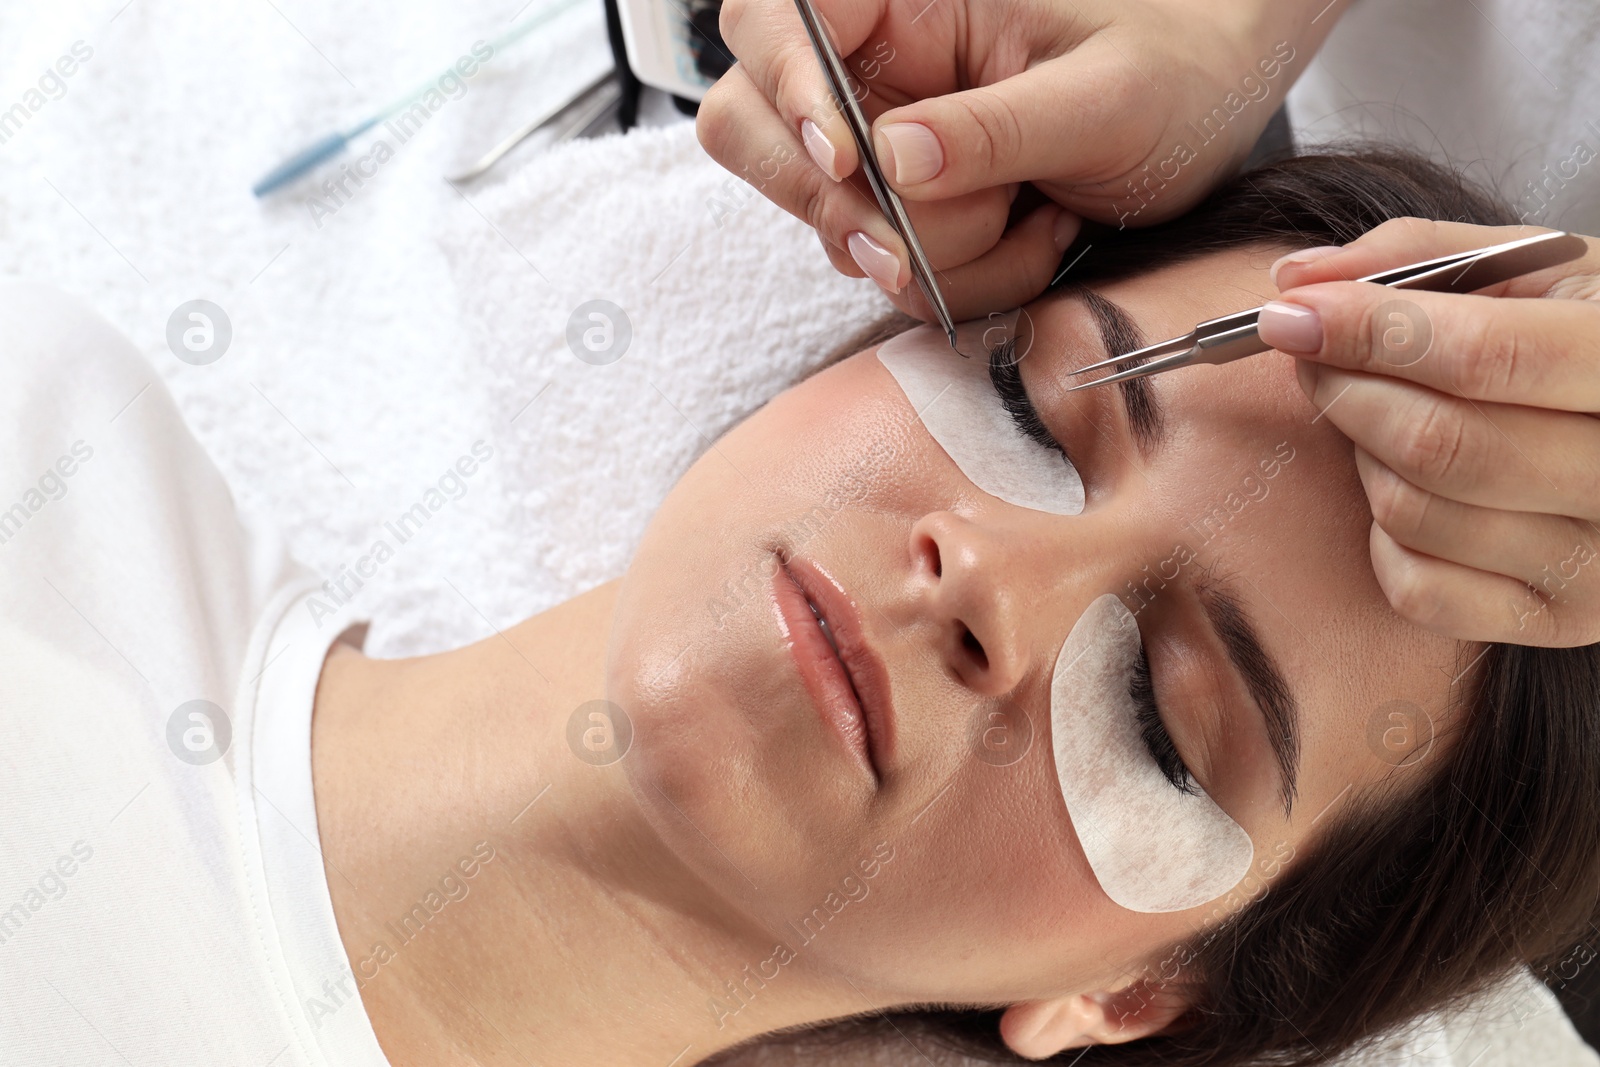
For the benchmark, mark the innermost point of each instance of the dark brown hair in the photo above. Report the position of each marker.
(1488, 855)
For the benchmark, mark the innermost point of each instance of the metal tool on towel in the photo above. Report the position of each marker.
(331, 145)
(838, 77)
(596, 102)
(1231, 337)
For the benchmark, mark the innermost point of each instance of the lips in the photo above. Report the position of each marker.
(845, 677)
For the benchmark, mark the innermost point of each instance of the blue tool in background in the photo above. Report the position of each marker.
(334, 143)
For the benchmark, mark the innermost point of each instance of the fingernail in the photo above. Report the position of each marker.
(1067, 226)
(1301, 258)
(819, 148)
(876, 260)
(911, 150)
(1289, 327)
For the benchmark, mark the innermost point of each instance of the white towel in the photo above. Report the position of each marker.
(377, 337)
(374, 345)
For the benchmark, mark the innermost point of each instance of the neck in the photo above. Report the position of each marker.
(502, 900)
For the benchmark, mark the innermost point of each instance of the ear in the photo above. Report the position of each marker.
(1036, 1029)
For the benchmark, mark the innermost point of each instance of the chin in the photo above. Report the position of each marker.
(728, 745)
(729, 759)
(688, 682)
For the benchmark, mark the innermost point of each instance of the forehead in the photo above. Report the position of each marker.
(1264, 491)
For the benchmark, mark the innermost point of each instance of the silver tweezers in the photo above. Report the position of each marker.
(888, 200)
(574, 117)
(1232, 337)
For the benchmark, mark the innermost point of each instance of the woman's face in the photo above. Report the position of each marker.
(1225, 514)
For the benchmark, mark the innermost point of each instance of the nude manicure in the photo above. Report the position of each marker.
(819, 148)
(877, 261)
(1290, 328)
(1302, 258)
(911, 150)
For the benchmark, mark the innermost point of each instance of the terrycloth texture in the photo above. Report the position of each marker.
(1516, 1024)
(371, 351)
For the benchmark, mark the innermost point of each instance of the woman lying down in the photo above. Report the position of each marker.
(937, 705)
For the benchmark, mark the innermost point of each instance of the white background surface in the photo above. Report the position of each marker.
(371, 351)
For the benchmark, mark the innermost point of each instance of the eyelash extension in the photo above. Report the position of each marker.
(1007, 382)
(1153, 731)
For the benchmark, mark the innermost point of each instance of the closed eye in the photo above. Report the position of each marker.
(1007, 382)
(1157, 741)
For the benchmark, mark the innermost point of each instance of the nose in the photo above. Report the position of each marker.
(959, 569)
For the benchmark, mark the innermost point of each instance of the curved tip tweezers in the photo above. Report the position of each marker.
(889, 201)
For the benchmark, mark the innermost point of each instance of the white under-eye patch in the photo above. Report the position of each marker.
(961, 411)
(1152, 847)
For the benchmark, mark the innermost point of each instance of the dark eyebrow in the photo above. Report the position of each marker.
(1262, 677)
(1120, 335)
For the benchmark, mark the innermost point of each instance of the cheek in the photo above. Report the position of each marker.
(841, 444)
(696, 658)
(1001, 901)
(846, 437)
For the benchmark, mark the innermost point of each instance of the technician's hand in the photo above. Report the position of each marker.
(1087, 100)
(1474, 424)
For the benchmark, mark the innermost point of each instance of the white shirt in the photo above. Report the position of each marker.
(158, 905)
(1506, 90)
(162, 895)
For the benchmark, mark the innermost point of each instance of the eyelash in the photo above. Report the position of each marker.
(1007, 382)
(1151, 729)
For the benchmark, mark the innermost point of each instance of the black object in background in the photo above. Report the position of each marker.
(1580, 997)
(627, 81)
(711, 57)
